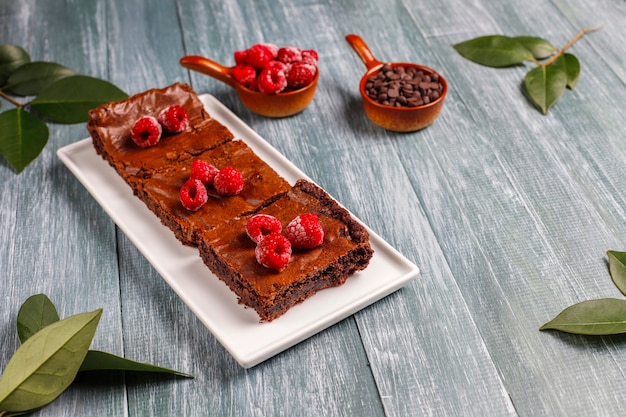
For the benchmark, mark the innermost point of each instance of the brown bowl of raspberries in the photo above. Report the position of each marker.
(270, 81)
(399, 96)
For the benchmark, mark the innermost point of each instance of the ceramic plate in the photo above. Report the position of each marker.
(237, 328)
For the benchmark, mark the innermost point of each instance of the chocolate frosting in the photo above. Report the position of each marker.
(341, 235)
(110, 125)
(261, 186)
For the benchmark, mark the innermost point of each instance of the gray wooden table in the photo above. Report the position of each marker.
(507, 213)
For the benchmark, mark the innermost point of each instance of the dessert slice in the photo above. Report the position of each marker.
(161, 192)
(230, 253)
(110, 128)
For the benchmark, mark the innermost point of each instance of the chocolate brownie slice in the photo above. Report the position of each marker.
(110, 124)
(229, 253)
(161, 192)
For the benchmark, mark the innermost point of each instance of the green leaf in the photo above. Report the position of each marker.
(36, 313)
(99, 361)
(47, 363)
(22, 137)
(617, 268)
(545, 84)
(69, 99)
(32, 78)
(573, 70)
(538, 47)
(21, 413)
(601, 317)
(11, 58)
(494, 51)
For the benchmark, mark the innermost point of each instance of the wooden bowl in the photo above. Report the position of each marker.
(397, 119)
(268, 105)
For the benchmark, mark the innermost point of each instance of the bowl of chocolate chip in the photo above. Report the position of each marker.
(399, 96)
(270, 81)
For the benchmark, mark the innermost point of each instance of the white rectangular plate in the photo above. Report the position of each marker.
(237, 328)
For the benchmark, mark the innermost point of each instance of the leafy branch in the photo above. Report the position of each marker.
(59, 95)
(10, 100)
(605, 316)
(53, 351)
(543, 84)
(568, 45)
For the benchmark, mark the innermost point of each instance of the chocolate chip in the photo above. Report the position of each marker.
(393, 92)
(403, 86)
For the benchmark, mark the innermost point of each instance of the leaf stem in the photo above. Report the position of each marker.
(17, 104)
(569, 45)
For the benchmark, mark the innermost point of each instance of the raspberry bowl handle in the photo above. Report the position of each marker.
(210, 68)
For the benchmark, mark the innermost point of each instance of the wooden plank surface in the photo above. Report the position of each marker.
(545, 248)
(508, 213)
(55, 238)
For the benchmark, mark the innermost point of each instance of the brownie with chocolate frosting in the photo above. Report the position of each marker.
(229, 253)
(110, 124)
(161, 192)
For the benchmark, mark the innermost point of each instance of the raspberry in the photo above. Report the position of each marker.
(277, 65)
(261, 225)
(305, 231)
(300, 74)
(228, 181)
(146, 131)
(309, 56)
(289, 54)
(273, 252)
(259, 55)
(271, 81)
(174, 119)
(254, 86)
(203, 171)
(241, 57)
(193, 194)
(273, 49)
(244, 74)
